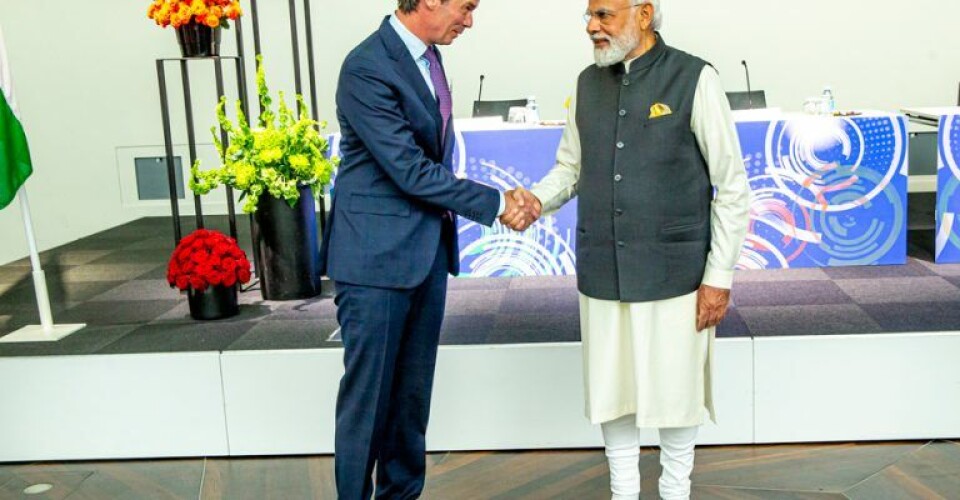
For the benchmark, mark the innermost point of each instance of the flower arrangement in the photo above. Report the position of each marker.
(207, 258)
(177, 13)
(277, 157)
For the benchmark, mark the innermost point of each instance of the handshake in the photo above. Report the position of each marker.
(523, 209)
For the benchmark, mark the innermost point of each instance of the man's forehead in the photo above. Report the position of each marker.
(608, 4)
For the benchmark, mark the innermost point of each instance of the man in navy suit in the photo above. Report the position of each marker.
(391, 240)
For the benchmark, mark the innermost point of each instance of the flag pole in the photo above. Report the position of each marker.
(46, 331)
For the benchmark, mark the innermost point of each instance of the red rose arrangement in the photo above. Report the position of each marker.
(207, 258)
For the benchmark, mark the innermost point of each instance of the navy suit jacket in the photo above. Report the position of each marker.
(395, 181)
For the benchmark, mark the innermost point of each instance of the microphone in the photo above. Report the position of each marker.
(481, 88)
(746, 70)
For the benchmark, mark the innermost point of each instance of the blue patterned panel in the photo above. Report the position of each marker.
(506, 159)
(948, 196)
(825, 191)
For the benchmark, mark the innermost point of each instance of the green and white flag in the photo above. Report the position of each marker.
(15, 165)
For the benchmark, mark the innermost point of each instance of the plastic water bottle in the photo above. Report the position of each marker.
(829, 102)
(533, 111)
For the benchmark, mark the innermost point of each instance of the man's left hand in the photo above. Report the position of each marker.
(712, 306)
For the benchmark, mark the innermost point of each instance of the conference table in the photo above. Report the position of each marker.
(947, 121)
(825, 191)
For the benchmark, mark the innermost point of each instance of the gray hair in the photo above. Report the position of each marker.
(407, 6)
(657, 14)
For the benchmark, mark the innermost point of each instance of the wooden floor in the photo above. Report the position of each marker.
(874, 471)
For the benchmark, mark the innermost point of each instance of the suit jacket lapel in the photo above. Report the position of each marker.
(411, 73)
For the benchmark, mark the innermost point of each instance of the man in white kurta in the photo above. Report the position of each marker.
(648, 363)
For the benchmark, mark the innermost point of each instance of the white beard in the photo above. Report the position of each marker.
(618, 49)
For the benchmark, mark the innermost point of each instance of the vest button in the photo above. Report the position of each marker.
(623, 112)
(621, 244)
(619, 145)
(626, 82)
(618, 211)
(618, 177)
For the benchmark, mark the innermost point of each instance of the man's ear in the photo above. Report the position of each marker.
(431, 4)
(646, 16)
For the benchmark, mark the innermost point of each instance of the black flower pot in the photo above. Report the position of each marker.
(285, 240)
(198, 40)
(216, 302)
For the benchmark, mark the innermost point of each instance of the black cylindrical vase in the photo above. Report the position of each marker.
(215, 302)
(198, 40)
(285, 240)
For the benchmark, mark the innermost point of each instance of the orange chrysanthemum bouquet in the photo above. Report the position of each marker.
(177, 13)
(197, 22)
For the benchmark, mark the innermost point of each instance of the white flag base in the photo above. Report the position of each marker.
(37, 333)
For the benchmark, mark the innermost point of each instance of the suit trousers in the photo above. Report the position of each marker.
(390, 339)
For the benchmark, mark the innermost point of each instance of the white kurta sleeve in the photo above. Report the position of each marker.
(712, 124)
(560, 184)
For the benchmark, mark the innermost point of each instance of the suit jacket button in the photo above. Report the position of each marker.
(621, 244)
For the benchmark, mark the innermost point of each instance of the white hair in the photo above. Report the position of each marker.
(657, 14)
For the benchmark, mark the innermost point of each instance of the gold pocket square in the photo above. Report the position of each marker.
(660, 109)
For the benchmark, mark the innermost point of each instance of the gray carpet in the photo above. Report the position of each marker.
(114, 282)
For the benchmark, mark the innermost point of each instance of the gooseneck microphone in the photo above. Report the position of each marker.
(746, 70)
(480, 95)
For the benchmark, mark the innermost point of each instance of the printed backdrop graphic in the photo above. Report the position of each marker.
(824, 192)
(948, 197)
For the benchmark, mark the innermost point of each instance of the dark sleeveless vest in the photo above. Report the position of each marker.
(643, 228)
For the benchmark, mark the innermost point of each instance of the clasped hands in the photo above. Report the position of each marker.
(522, 210)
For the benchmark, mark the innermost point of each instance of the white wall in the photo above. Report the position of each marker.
(87, 85)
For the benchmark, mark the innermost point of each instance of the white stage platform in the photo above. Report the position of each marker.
(488, 397)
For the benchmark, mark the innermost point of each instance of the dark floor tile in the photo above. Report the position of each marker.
(931, 472)
(58, 291)
(732, 325)
(86, 341)
(800, 467)
(479, 283)
(910, 317)
(157, 244)
(945, 270)
(557, 326)
(128, 256)
(248, 312)
(117, 313)
(840, 319)
(288, 334)
(15, 317)
(467, 330)
(912, 268)
(568, 281)
(309, 309)
(139, 290)
(473, 302)
(900, 290)
(540, 301)
(792, 294)
(108, 272)
(15, 274)
(798, 274)
(199, 336)
(62, 258)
